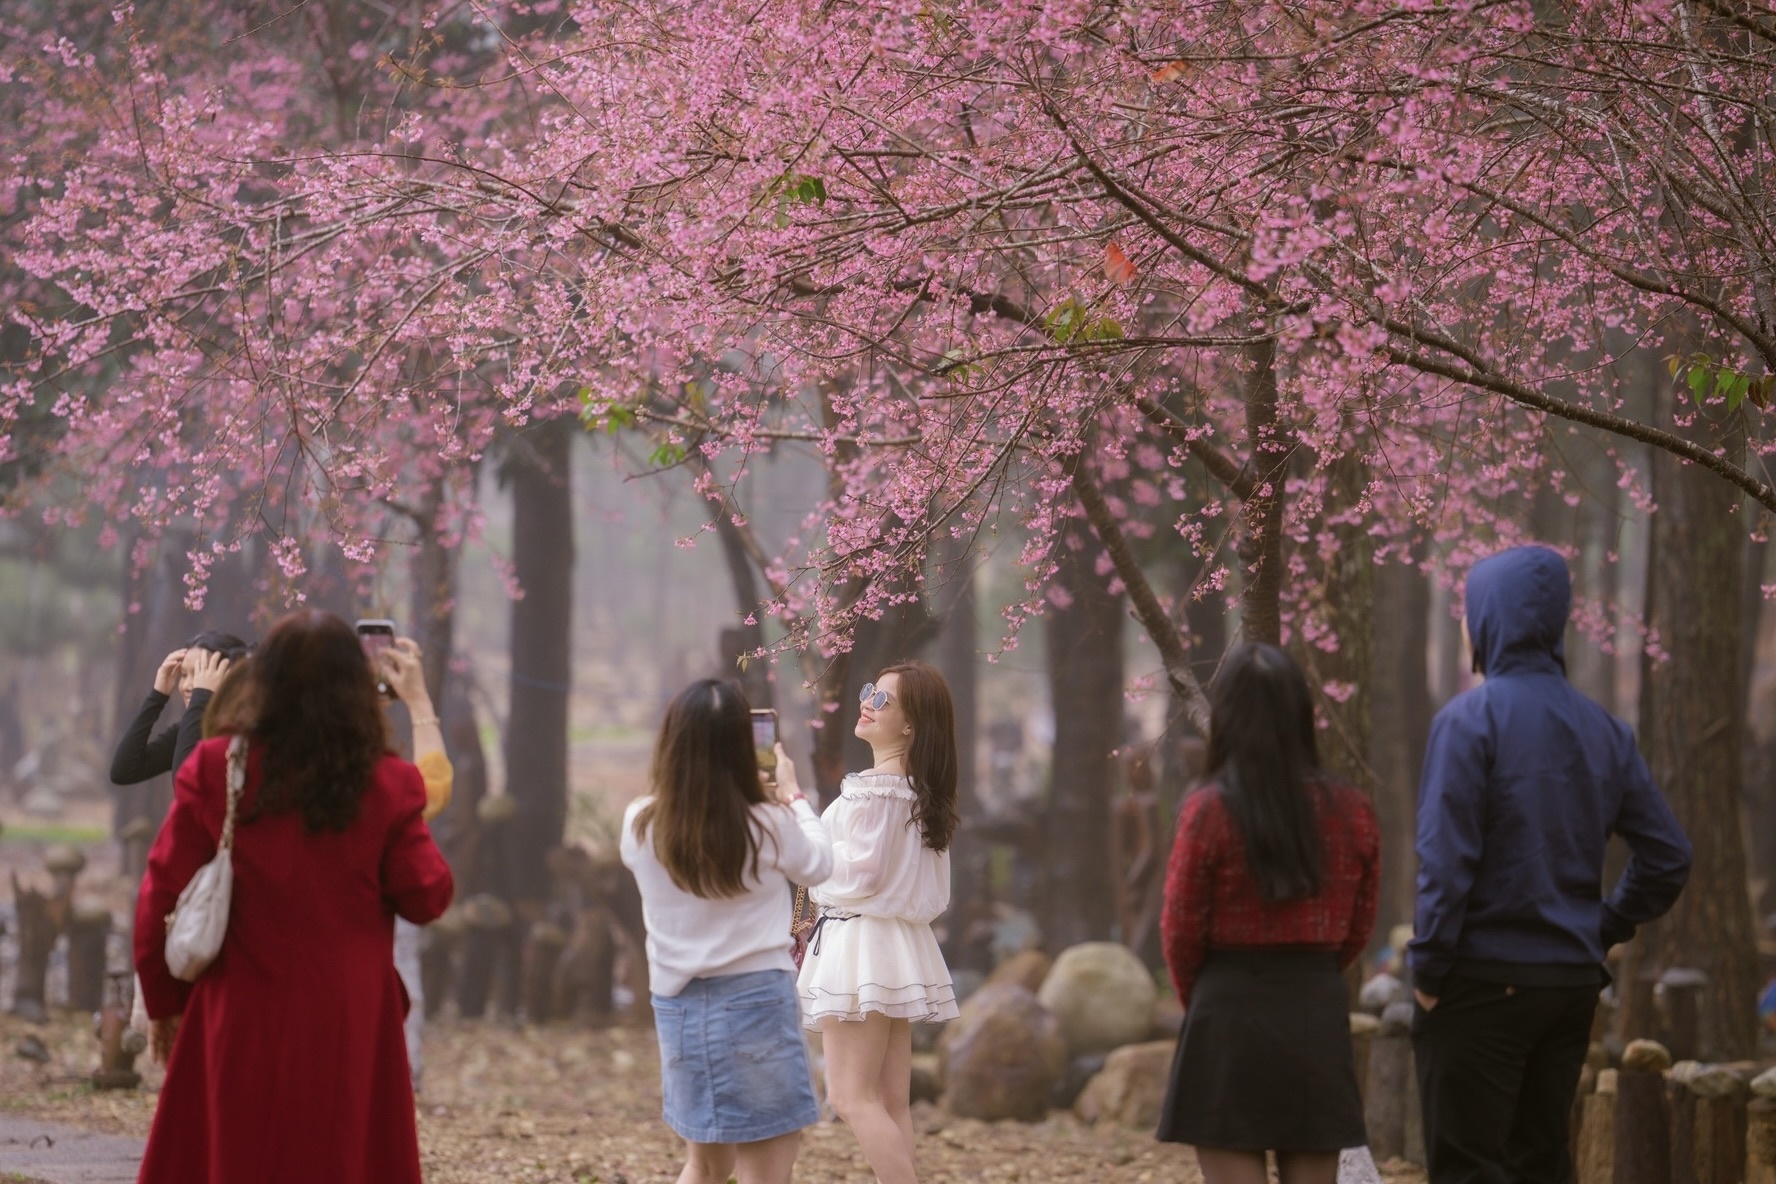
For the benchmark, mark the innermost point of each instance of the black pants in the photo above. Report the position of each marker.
(1498, 1068)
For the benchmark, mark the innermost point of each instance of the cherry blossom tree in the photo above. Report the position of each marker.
(1303, 286)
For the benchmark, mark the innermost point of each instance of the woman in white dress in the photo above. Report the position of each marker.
(873, 966)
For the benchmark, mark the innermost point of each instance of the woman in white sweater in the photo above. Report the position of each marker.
(873, 966)
(714, 851)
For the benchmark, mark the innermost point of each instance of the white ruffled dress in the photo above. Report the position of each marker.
(874, 949)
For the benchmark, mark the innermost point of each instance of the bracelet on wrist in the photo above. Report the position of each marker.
(425, 721)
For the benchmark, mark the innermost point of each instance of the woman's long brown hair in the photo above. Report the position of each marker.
(319, 719)
(706, 781)
(924, 699)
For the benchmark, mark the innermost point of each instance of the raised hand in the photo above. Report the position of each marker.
(166, 679)
(207, 668)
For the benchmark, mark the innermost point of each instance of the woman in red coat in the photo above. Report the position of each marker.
(288, 1062)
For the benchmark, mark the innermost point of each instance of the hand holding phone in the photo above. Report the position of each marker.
(376, 635)
(764, 741)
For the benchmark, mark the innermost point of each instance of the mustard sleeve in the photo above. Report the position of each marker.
(439, 777)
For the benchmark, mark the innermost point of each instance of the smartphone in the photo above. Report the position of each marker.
(764, 740)
(377, 634)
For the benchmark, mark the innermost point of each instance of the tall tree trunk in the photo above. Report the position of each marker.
(165, 624)
(956, 652)
(1401, 714)
(1691, 724)
(433, 611)
(742, 639)
(1085, 678)
(542, 650)
(135, 675)
(1343, 679)
(1760, 750)
(1261, 546)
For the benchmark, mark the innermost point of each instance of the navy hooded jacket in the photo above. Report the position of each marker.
(1524, 781)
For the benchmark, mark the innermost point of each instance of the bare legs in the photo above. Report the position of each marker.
(769, 1161)
(869, 1067)
(1221, 1166)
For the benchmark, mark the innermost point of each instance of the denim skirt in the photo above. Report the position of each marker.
(733, 1064)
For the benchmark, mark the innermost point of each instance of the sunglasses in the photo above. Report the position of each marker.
(872, 698)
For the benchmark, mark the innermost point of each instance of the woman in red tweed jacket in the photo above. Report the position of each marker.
(1270, 895)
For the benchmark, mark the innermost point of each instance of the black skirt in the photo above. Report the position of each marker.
(1264, 1062)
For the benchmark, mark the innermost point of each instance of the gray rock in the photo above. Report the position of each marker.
(1380, 991)
(1102, 994)
(1131, 1087)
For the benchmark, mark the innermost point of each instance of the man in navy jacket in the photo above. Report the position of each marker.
(1525, 779)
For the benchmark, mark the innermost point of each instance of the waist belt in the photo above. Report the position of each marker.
(820, 924)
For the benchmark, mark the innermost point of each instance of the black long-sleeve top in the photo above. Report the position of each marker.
(143, 753)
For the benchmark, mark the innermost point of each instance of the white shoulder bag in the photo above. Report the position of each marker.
(197, 923)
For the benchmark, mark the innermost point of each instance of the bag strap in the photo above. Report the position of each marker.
(237, 781)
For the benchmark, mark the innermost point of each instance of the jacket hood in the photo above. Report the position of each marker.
(1517, 606)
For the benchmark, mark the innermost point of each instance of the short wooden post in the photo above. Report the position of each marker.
(1597, 1133)
(1390, 1081)
(89, 930)
(40, 920)
(1681, 992)
(542, 952)
(1363, 1029)
(1682, 1104)
(438, 946)
(1415, 1127)
(1760, 1140)
(1643, 1119)
(488, 919)
(136, 836)
(1717, 1140)
(119, 1044)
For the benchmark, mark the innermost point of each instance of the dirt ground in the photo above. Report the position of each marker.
(556, 1104)
(540, 1106)
(528, 1106)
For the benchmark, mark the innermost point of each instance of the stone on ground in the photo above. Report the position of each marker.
(1102, 994)
(1002, 1056)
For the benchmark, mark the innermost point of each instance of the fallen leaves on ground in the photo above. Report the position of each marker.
(566, 1105)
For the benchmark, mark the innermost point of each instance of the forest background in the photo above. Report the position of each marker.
(827, 333)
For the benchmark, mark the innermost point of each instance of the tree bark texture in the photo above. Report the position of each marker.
(1348, 571)
(542, 650)
(955, 652)
(1401, 722)
(433, 612)
(1261, 546)
(740, 639)
(1691, 724)
(1085, 673)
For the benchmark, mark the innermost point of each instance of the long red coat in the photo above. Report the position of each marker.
(290, 1064)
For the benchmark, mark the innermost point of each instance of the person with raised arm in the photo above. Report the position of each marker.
(873, 966)
(714, 850)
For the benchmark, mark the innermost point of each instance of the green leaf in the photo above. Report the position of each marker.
(612, 419)
(1065, 320)
(956, 368)
(667, 455)
(1103, 329)
(1698, 384)
(798, 189)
